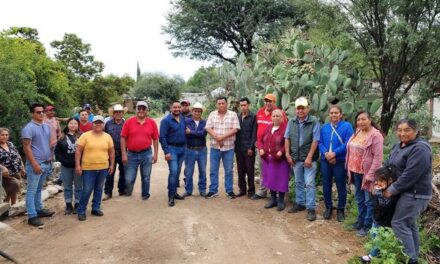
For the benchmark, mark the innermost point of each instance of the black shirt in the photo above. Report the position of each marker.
(247, 134)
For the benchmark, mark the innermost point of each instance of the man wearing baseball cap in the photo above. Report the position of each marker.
(263, 118)
(302, 138)
(185, 108)
(50, 120)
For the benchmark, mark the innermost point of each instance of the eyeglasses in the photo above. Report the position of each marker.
(142, 108)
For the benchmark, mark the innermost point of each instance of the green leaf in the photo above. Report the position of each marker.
(347, 108)
(315, 101)
(347, 83)
(335, 73)
(285, 100)
(332, 86)
(323, 102)
(318, 65)
(307, 58)
(375, 106)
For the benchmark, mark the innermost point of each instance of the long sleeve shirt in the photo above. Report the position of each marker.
(247, 135)
(172, 132)
(197, 134)
(329, 139)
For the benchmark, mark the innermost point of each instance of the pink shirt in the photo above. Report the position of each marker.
(221, 126)
(55, 130)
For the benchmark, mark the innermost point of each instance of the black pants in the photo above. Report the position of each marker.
(245, 166)
(109, 181)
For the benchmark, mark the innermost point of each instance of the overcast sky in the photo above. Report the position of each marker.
(120, 32)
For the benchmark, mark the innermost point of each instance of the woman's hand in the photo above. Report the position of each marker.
(78, 170)
(261, 152)
(279, 154)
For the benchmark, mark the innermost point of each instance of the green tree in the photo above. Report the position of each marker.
(211, 29)
(21, 32)
(203, 80)
(401, 41)
(103, 91)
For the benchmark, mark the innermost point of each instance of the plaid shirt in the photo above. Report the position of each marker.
(221, 127)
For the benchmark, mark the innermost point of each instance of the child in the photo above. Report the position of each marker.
(383, 207)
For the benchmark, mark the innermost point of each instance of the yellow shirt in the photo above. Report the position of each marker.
(95, 150)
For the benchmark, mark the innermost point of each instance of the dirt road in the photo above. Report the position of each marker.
(196, 230)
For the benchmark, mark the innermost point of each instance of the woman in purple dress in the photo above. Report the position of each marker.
(274, 166)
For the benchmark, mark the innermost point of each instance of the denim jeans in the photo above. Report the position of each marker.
(228, 161)
(71, 182)
(144, 161)
(337, 172)
(174, 167)
(191, 157)
(305, 187)
(109, 182)
(93, 181)
(364, 202)
(34, 187)
(375, 250)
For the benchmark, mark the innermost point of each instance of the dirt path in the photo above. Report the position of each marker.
(196, 230)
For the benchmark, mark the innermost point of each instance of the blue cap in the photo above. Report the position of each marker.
(87, 106)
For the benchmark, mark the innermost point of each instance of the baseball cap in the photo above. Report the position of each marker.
(49, 108)
(301, 102)
(85, 106)
(197, 106)
(141, 103)
(271, 97)
(118, 107)
(98, 118)
(185, 101)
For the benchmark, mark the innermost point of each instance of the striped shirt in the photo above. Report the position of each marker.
(222, 126)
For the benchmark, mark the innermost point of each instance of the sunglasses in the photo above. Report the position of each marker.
(143, 108)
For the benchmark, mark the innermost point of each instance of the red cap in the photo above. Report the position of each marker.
(49, 108)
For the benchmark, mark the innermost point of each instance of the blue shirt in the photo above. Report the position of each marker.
(197, 135)
(39, 134)
(172, 132)
(91, 116)
(329, 138)
(114, 130)
(316, 128)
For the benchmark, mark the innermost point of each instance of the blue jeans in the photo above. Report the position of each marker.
(144, 161)
(364, 202)
(93, 181)
(337, 172)
(174, 167)
(375, 250)
(69, 181)
(228, 162)
(34, 187)
(191, 157)
(109, 182)
(305, 187)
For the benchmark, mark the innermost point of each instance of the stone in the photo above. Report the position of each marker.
(4, 208)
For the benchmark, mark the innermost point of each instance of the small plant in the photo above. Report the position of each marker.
(391, 250)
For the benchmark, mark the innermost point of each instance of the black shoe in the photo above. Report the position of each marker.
(97, 213)
(240, 194)
(75, 208)
(107, 197)
(178, 197)
(297, 208)
(203, 194)
(122, 193)
(256, 197)
(280, 202)
(328, 213)
(186, 194)
(272, 203)
(171, 202)
(35, 221)
(340, 215)
(145, 197)
(82, 217)
(250, 194)
(69, 209)
(45, 213)
(311, 215)
(211, 195)
(231, 195)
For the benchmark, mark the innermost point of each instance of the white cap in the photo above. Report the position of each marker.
(142, 103)
(198, 106)
(98, 118)
(301, 102)
(118, 107)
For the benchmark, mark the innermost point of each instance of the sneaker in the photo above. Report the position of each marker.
(203, 194)
(297, 208)
(363, 232)
(366, 259)
(340, 216)
(107, 197)
(45, 213)
(231, 195)
(171, 202)
(35, 221)
(178, 197)
(97, 213)
(145, 197)
(256, 197)
(211, 195)
(186, 194)
(82, 217)
(311, 215)
(327, 214)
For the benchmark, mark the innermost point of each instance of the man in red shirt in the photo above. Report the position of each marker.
(263, 117)
(138, 134)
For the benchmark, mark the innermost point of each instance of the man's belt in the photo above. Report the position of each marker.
(196, 147)
(139, 151)
(176, 144)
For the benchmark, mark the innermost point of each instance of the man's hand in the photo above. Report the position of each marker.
(37, 168)
(308, 163)
(187, 130)
(290, 160)
(154, 160)
(250, 152)
(124, 159)
(386, 194)
(168, 157)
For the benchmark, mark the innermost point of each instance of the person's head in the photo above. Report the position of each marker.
(49, 111)
(72, 126)
(88, 108)
(4, 135)
(197, 111)
(175, 108)
(98, 124)
(277, 117)
(335, 113)
(141, 109)
(83, 116)
(118, 112)
(384, 176)
(244, 105)
(269, 102)
(364, 121)
(37, 111)
(185, 106)
(302, 108)
(222, 104)
(407, 130)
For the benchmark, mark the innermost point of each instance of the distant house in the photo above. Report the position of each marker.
(194, 97)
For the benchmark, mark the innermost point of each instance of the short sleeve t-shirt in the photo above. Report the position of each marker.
(95, 153)
(39, 134)
(139, 136)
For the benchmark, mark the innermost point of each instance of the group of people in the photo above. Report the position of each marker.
(392, 193)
